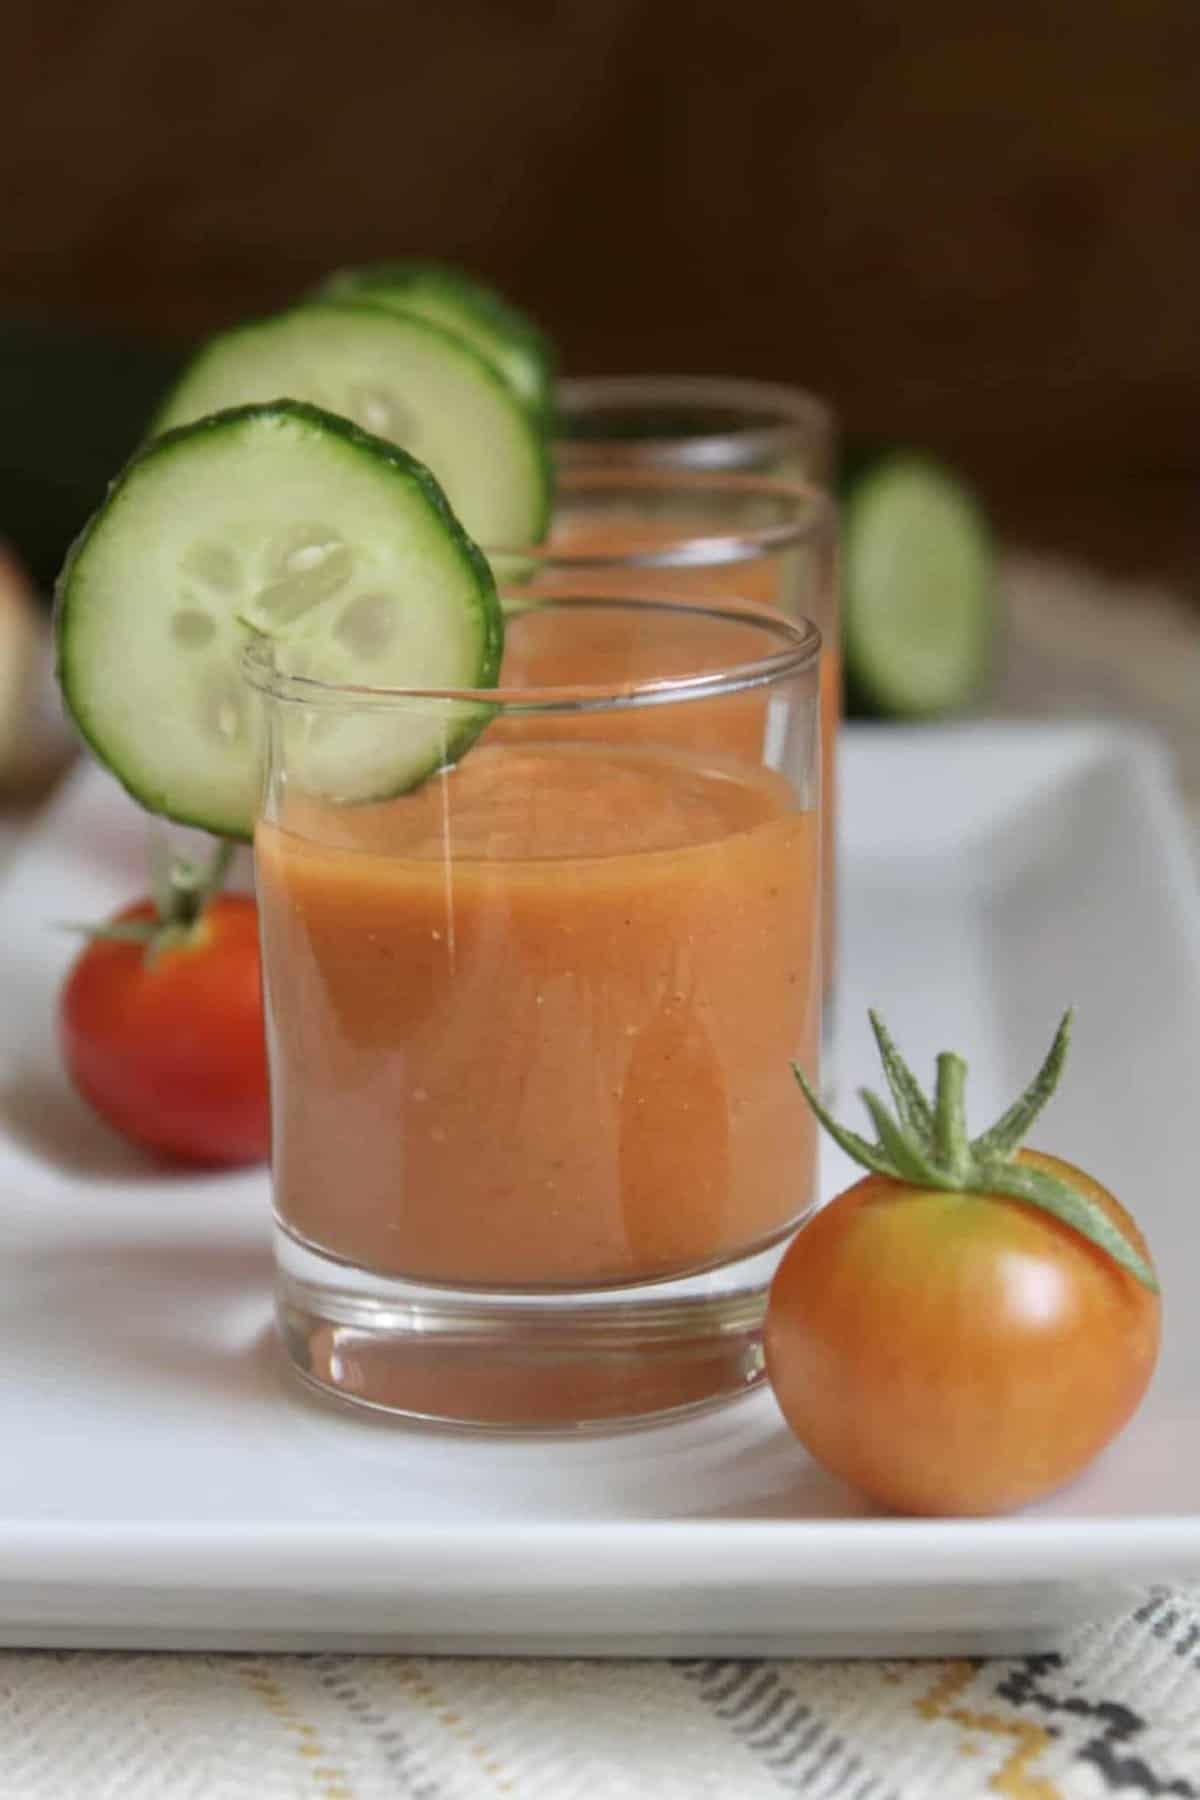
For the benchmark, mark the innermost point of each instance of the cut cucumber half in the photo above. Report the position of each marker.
(334, 550)
(917, 581)
(488, 322)
(398, 377)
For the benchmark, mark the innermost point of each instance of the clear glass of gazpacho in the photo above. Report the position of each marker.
(536, 1141)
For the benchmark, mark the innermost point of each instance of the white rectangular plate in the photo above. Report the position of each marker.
(163, 1484)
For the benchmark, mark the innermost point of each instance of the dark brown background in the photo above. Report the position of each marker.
(974, 225)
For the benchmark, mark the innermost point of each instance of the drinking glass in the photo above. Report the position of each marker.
(695, 422)
(714, 538)
(537, 1146)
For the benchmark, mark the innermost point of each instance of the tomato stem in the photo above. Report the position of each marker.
(927, 1145)
(183, 886)
(952, 1149)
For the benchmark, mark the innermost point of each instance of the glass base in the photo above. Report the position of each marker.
(520, 1362)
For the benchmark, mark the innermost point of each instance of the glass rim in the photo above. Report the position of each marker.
(813, 518)
(776, 415)
(801, 640)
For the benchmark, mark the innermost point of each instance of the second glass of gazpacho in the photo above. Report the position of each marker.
(537, 1143)
(715, 538)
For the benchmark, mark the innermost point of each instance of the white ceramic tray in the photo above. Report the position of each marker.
(164, 1485)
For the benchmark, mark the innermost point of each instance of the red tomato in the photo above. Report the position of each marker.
(169, 1048)
(951, 1353)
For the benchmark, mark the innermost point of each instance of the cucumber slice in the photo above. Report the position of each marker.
(337, 547)
(483, 317)
(917, 579)
(400, 378)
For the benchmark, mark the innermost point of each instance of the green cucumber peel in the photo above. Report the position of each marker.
(380, 495)
(315, 355)
(458, 302)
(925, 1144)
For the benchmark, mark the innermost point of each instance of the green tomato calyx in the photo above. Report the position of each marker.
(924, 1143)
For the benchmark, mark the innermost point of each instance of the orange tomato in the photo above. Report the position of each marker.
(957, 1353)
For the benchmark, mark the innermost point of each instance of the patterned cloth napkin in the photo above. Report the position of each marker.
(1115, 1711)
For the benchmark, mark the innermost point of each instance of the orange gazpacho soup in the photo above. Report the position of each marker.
(540, 1014)
(781, 579)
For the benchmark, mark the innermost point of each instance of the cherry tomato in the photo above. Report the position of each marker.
(168, 1046)
(955, 1353)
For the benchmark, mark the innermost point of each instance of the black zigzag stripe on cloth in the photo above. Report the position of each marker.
(1112, 1749)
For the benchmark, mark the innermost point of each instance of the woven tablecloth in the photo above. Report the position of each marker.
(1116, 1710)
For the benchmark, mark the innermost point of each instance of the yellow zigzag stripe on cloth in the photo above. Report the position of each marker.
(422, 1689)
(1013, 1780)
(329, 1783)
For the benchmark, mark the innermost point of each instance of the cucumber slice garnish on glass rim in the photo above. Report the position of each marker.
(338, 550)
(399, 377)
(491, 324)
(917, 588)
